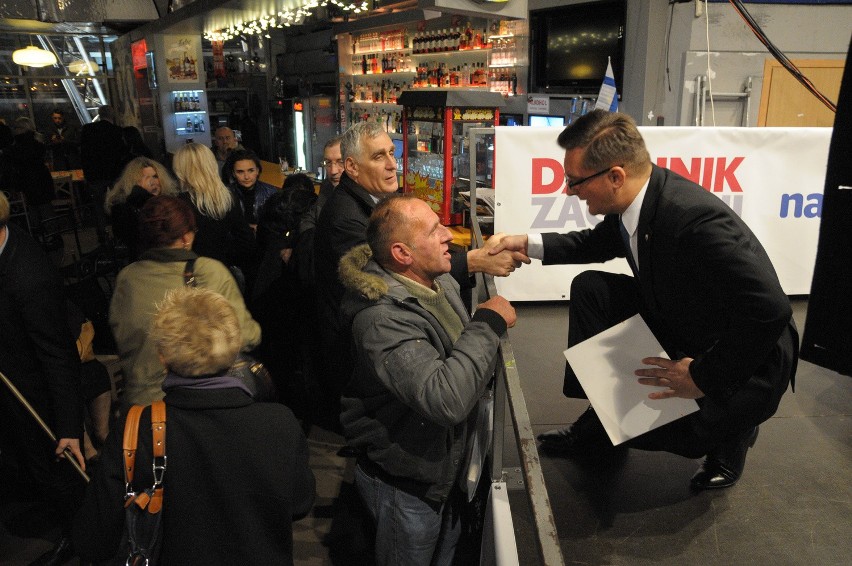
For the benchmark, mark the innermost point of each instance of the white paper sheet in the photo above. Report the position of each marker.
(604, 365)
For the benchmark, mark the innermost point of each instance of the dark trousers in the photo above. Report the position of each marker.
(600, 300)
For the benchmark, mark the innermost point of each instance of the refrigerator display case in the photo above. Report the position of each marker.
(436, 152)
(189, 117)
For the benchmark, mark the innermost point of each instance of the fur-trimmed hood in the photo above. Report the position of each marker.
(361, 275)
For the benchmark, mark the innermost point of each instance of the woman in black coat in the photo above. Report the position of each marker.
(237, 471)
(223, 232)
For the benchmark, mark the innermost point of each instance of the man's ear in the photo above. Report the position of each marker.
(351, 168)
(617, 176)
(401, 253)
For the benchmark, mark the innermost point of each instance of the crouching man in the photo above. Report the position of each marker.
(421, 365)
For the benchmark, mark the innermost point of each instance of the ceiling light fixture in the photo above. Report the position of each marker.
(32, 56)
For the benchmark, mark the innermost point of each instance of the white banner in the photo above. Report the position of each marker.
(772, 177)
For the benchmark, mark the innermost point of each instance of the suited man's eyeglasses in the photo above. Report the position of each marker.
(571, 184)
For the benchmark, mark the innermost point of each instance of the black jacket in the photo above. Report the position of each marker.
(102, 151)
(37, 350)
(24, 169)
(228, 239)
(237, 475)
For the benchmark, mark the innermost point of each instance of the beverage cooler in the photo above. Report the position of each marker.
(436, 152)
(185, 119)
(301, 127)
(182, 97)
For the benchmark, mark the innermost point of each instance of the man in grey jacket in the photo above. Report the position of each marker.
(421, 365)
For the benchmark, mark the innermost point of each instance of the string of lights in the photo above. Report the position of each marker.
(284, 18)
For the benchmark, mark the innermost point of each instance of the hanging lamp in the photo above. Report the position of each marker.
(32, 56)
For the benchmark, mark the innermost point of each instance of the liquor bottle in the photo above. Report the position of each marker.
(177, 103)
(514, 84)
(363, 64)
(188, 124)
(201, 124)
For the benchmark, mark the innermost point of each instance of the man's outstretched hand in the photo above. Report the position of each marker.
(495, 259)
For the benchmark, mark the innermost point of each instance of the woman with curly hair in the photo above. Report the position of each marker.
(141, 179)
(223, 232)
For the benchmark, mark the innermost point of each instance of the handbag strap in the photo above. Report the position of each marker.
(189, 273)
(131, 437)
(153, 498)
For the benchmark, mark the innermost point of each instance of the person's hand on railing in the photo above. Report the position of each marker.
(502, 307)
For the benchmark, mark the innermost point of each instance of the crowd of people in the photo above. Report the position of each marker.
(355, 303)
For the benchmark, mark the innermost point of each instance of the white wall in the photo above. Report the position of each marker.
(801, 32)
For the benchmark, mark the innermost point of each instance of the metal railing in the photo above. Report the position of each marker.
(508, 391)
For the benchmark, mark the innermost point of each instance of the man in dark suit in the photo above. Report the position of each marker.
(102, 152)
(703, 284)
(39, 356)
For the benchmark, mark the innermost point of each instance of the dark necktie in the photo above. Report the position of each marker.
(625, 237)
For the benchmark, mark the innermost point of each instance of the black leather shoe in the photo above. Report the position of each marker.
(59, 554)
(585, 438)
(723, 466)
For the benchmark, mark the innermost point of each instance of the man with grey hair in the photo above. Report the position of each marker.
(103, 154)
(370, 174)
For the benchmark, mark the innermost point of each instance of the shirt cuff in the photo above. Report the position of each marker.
(535, 246)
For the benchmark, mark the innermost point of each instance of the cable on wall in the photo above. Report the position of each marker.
(709, 70)
(779, 56)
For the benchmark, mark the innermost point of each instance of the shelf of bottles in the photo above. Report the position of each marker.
(507, 56)
(189, 116)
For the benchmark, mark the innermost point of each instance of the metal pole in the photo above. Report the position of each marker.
(19, 396)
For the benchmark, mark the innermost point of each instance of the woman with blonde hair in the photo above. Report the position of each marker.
(223, 232)
(141, 179)
(238, 473)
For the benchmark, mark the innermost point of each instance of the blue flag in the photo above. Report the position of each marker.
(608, 96)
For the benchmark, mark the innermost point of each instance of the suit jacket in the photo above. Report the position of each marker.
(708, 288)
(102, 151)
(37, 350)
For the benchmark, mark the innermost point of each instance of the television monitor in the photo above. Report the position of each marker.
(511, 120)
(570, 46)
(539, 120)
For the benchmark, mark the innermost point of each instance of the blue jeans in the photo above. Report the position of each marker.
(408, 530)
